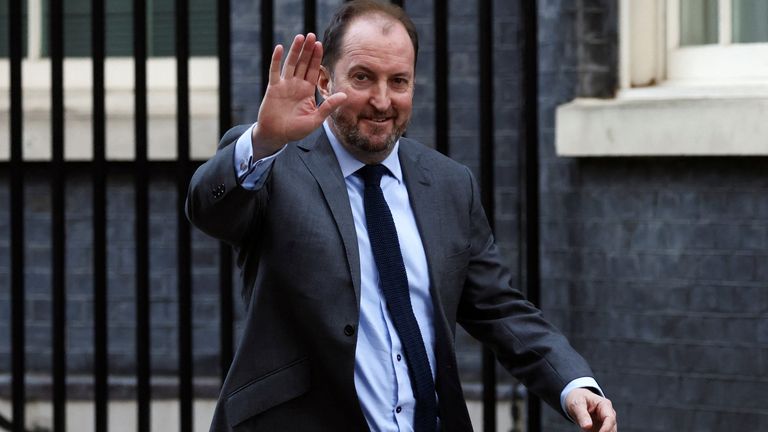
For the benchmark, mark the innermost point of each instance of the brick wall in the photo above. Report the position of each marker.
(655, 267)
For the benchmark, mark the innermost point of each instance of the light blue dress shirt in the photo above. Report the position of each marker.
(381, 372)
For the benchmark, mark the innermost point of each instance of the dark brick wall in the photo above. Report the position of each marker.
(596, 26)
(655, 267)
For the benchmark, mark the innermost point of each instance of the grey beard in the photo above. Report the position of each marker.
(353, 138)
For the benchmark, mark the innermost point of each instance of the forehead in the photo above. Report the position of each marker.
(377, 39)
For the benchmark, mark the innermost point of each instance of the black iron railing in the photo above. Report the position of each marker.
(142, 169)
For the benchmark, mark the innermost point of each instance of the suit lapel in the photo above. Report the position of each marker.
(321, 162)
(421, 191)
(420, 181)
(424, 201)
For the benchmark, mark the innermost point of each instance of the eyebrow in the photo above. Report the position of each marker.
(367, 70)
(362, 68)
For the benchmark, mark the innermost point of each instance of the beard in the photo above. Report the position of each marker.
(350, 134)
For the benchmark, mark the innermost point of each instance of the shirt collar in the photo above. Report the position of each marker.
(349, 164)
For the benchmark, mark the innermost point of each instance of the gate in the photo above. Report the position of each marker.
(142, 170)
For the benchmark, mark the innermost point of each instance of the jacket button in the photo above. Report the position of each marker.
(349, 330)
(218, 191)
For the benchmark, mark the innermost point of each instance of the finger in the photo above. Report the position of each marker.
(313, 73)
(293, 56)
(608, 426)
(584, 420)
(330, 104)
(580, 414)
(607, 415)
(307, 52)
(274, 66)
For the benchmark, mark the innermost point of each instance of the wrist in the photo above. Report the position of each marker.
(263, 146)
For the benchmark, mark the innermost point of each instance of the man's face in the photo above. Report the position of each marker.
(376, 71)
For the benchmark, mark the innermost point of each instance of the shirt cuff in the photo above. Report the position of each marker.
(250, 173)
(584, 382)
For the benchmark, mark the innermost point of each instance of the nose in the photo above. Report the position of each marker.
(380, 97)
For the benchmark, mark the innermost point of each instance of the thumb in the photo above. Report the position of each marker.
(331, 103)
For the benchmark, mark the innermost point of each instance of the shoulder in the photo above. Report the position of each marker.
(433, 160)
(418, 151)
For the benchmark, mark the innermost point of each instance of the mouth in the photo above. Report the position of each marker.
(378, 120)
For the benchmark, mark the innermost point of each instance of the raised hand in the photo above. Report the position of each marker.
(288, 111)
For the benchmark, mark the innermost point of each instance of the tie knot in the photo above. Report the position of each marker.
(372, 174)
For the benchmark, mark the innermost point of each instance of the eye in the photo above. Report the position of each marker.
(360, 76)
(400, 83)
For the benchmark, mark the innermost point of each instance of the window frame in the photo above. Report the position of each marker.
(650, 52)
(660, 112)
(161, 70)
(118, 85)
(722, 62)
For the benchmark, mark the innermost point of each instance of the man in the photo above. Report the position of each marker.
(360, 251)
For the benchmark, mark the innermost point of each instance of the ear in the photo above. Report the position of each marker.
(324, 83)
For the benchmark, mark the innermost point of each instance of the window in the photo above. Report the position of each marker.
(119, 79)
(4, 28)
(693, 81)
(690, 41)
(717, 40)
(119, 28)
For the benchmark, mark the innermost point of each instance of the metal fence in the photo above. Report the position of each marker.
(57, 170)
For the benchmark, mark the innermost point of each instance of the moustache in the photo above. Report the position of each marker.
(378, 115)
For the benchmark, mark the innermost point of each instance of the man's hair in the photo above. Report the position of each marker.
(347, 12)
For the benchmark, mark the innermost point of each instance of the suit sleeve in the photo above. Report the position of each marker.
(492, 311)
(216, 203)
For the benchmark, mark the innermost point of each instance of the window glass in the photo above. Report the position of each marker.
(202, 27)
(698, 22)
(119, 28)
(750, 21)
(4, 29)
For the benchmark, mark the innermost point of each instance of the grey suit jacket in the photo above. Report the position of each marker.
(297, 248)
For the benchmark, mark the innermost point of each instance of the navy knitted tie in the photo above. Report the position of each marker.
(394, 285)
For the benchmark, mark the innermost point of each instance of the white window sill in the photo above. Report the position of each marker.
(668, 120)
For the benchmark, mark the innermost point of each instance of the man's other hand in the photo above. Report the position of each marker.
(590, 411)
(288, 111)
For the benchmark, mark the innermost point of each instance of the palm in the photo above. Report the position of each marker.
(288, 111)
